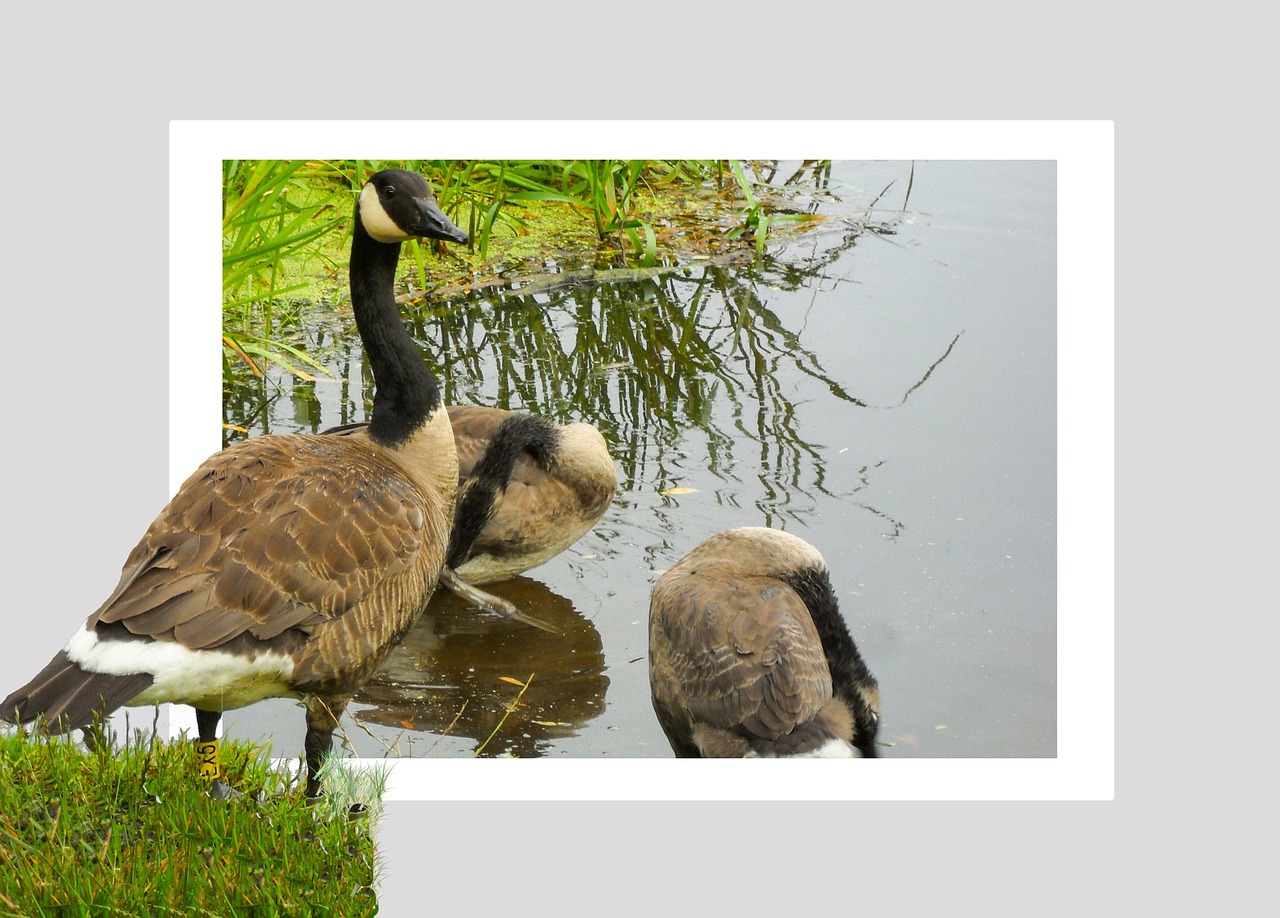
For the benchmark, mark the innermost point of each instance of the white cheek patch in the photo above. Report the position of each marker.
(377, 222)
(212, 679)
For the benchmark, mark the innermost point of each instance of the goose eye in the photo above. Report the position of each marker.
(389, 191)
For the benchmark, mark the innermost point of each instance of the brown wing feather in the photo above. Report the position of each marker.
(544, 510)
(274, 534)
(534, 509)
(743, 651)
(473, 428)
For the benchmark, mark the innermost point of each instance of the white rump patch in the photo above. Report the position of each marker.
(209, 679)
(833, 748)
(377, 222)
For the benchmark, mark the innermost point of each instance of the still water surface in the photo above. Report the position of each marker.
(882, 385)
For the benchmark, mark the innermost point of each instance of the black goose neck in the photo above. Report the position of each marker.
(843, 659)
(405, 392)
(518, 434)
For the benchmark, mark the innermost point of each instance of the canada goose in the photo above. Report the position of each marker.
(527, 490)
(749, 656)
(286, 565)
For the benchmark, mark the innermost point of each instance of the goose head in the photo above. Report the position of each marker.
(396, 205)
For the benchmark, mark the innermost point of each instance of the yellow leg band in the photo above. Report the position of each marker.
(207, 757)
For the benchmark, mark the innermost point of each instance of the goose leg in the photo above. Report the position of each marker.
(323, 715)
(488, 602)
(207, 756)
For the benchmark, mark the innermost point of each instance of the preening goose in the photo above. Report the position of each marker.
(527, 490)
(749, 656)
(286, 565)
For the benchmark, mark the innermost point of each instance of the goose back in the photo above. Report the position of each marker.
(550, 486)
(552, 498)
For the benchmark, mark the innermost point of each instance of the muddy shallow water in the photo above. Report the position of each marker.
(882, 385)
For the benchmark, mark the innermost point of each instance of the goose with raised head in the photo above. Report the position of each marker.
(527, 490)
(286, 565)
(749, 656)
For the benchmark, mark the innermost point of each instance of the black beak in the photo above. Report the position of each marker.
(433, 224)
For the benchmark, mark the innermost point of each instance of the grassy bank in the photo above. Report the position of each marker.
(286, 227)
(132, 832)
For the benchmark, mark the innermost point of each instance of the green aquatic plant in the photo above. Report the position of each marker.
(286, 223)
(277, 216)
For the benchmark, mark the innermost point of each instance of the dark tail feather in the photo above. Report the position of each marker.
(68, 697)
(804, 738)
(478, 499)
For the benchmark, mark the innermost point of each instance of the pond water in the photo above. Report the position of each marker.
(882, 385)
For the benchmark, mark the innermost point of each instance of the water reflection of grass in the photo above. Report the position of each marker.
(652, 365)
(644, 362)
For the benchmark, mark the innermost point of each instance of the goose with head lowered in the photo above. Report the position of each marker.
(749, 656)
(286, 565)
(527, 489)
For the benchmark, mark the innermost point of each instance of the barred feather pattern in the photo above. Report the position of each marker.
(307, 547)
(737, 665)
